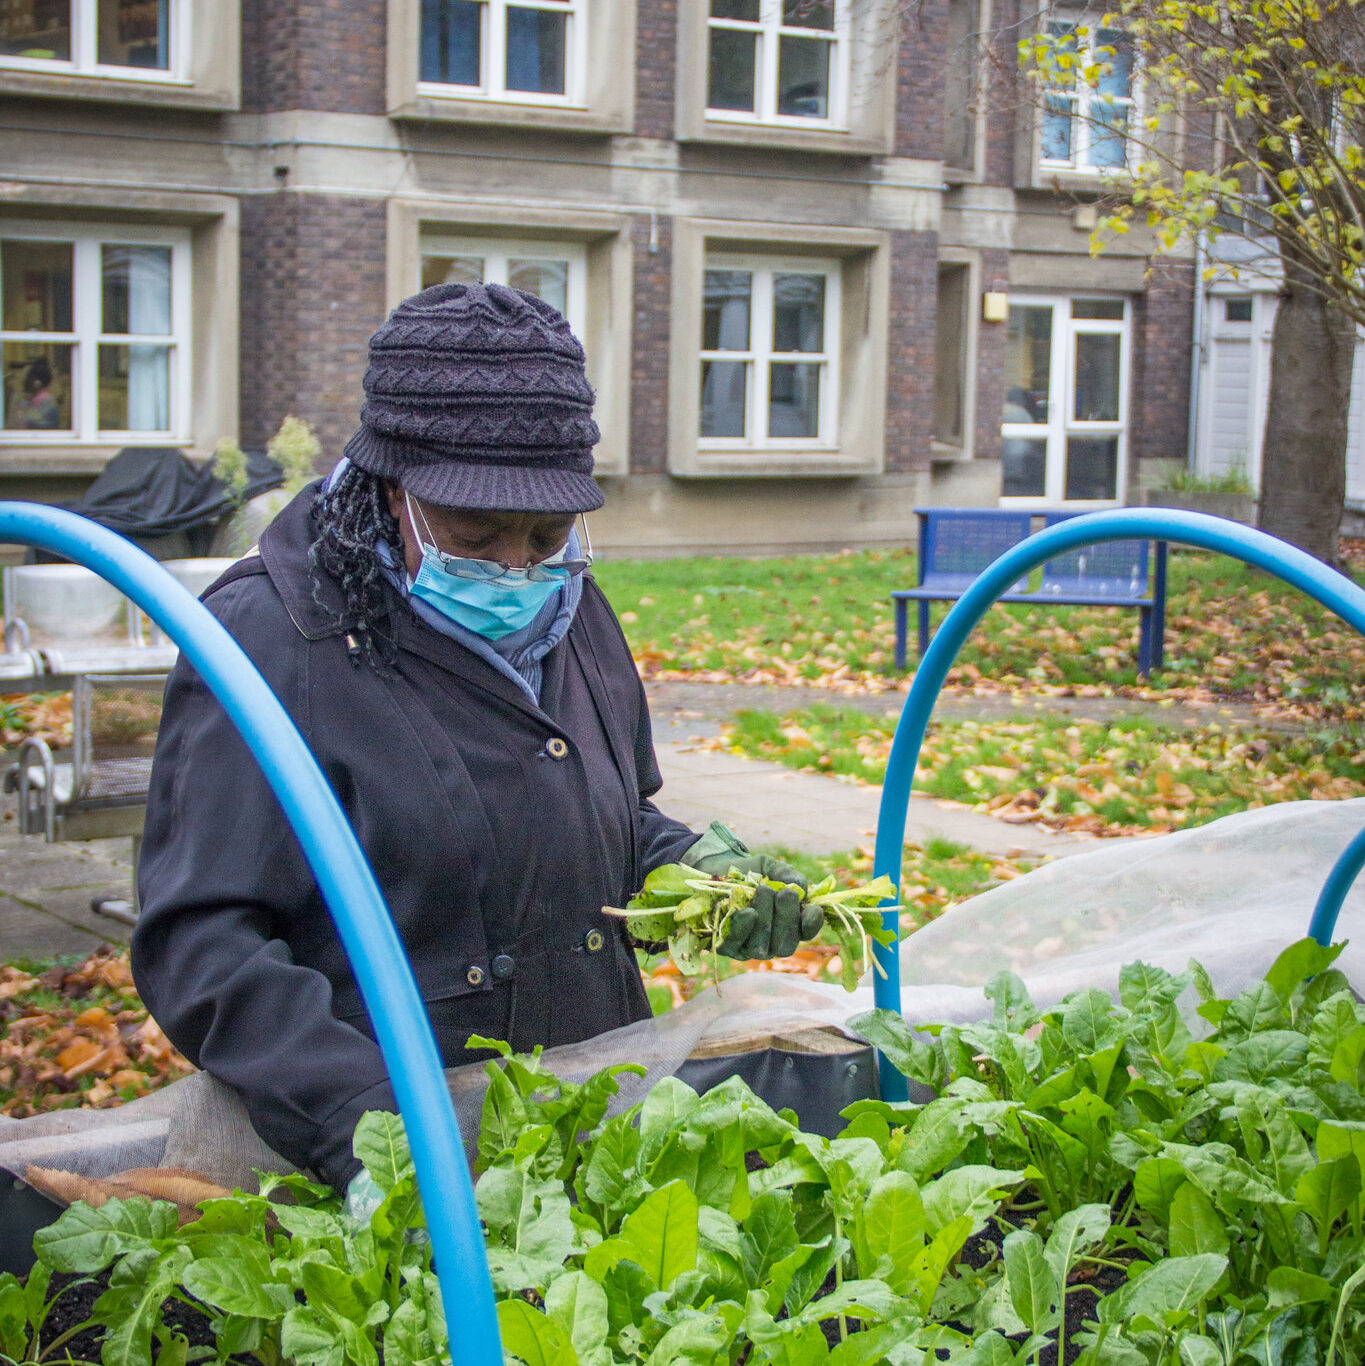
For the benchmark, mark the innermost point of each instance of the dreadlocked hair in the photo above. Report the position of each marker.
(351, 519)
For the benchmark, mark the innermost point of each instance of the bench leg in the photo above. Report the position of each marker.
(124, 909)
(1159, 607)
(900, 632)
(1146, 640)
(923, 605)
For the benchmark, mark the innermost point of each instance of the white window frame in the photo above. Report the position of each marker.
(760, 354)
(85, 49)
(498, 251)
(86, 334)
(1087, 104)
(1061, 423)
(492, 84)
(769, 30)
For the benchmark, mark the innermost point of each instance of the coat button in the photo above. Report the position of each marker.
(556, 748)
(474, 976)
(594, 941)
(503, 966)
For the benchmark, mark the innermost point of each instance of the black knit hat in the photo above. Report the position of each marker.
(476, 397)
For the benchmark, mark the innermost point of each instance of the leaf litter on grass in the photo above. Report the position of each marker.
(825, 622)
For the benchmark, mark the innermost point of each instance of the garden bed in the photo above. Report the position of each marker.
(1172, 1176)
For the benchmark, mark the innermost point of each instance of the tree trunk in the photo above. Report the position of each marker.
(1303, 465)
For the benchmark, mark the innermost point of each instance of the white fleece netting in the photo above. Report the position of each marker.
(1230, 894)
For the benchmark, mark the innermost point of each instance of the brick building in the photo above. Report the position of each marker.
(826, 262)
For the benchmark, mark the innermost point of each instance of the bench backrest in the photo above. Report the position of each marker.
(1110, 569)
(956, 544)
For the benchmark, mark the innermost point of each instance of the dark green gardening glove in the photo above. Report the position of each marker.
(774, 922)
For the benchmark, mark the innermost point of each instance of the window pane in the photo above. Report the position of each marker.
(1109, 137)
(722, 397)
(725, 310)
(1056, 131)
(451, 270)
(1092, 467)
(794, 400)
(37, 379)
(548, 280)
(135, 388)
(535, 50)
(37, 285)
(1028, 364)
(803, 77)
(137, 289)
(134, 33)
(1024, 467)
(41, 30)
(1112, 309)
(1115, 51)
(731, 83)
(808, 14)
(1097, 378)
(1238, 310)
(452, 33)
(798, 312)
(735, 9)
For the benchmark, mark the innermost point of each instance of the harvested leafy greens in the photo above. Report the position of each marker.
(691, 913)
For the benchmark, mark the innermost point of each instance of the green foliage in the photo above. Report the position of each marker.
(229, 464)
(1283, 84)
(1215, 1180)
(295, 448)
(1233, 480)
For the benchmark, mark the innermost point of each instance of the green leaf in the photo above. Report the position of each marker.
(609, 1175)
(381, 1144)
(1329, 1190)
(504, 1117)
(1034, 1291)
(1200, 1351)
(1013, 1006)
(579, 1305)
(1289, 1286)
(1195, 1226)
(1076, 1230)
(415, 1335)
(1155, 1182)
(533, 1337)
(1088, 1022)
(889, 1231)
(131, 1307)
(310, 1339)
(695, 1341)
(14, 1321)
(660, 1234)
(1302, 959)
(668, 1103)
(974, 1190)
(936, 1138)
(768, 1236)
(1269, 1054)
(85, 1239)
(1167, 1293)
(239, 1284)
(887, 1031)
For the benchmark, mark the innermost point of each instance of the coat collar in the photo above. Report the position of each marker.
(314, 602)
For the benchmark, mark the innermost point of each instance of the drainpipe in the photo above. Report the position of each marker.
(1197, 349)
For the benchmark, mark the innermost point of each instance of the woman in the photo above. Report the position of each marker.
(425, 618)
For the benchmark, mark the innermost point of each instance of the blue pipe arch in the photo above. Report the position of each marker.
(1198, 529)
(347, 884)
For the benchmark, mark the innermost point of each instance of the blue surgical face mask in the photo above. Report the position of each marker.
(490, 607)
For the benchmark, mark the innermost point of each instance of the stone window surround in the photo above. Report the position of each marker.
(971, 317)
(609, 103)
(605, 238)
(215, 255)
(871, 84)
(975, 173)
(865, 256)
(210, 69)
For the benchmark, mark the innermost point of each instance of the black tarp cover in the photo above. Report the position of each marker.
(147, 491)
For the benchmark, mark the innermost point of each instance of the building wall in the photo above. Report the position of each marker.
(335, 165)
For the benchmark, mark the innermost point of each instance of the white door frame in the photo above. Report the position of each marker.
(1061, 422)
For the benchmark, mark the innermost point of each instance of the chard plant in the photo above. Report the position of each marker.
(1171, 1178)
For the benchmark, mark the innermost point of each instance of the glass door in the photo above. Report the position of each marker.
(1064, 429)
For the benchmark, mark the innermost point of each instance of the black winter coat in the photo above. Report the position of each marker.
(496, 829)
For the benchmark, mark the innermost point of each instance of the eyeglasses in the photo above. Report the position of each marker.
(553, 569)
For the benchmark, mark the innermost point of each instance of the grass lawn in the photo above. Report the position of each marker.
(825, 620)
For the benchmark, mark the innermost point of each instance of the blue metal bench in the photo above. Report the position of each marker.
(956, 544)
